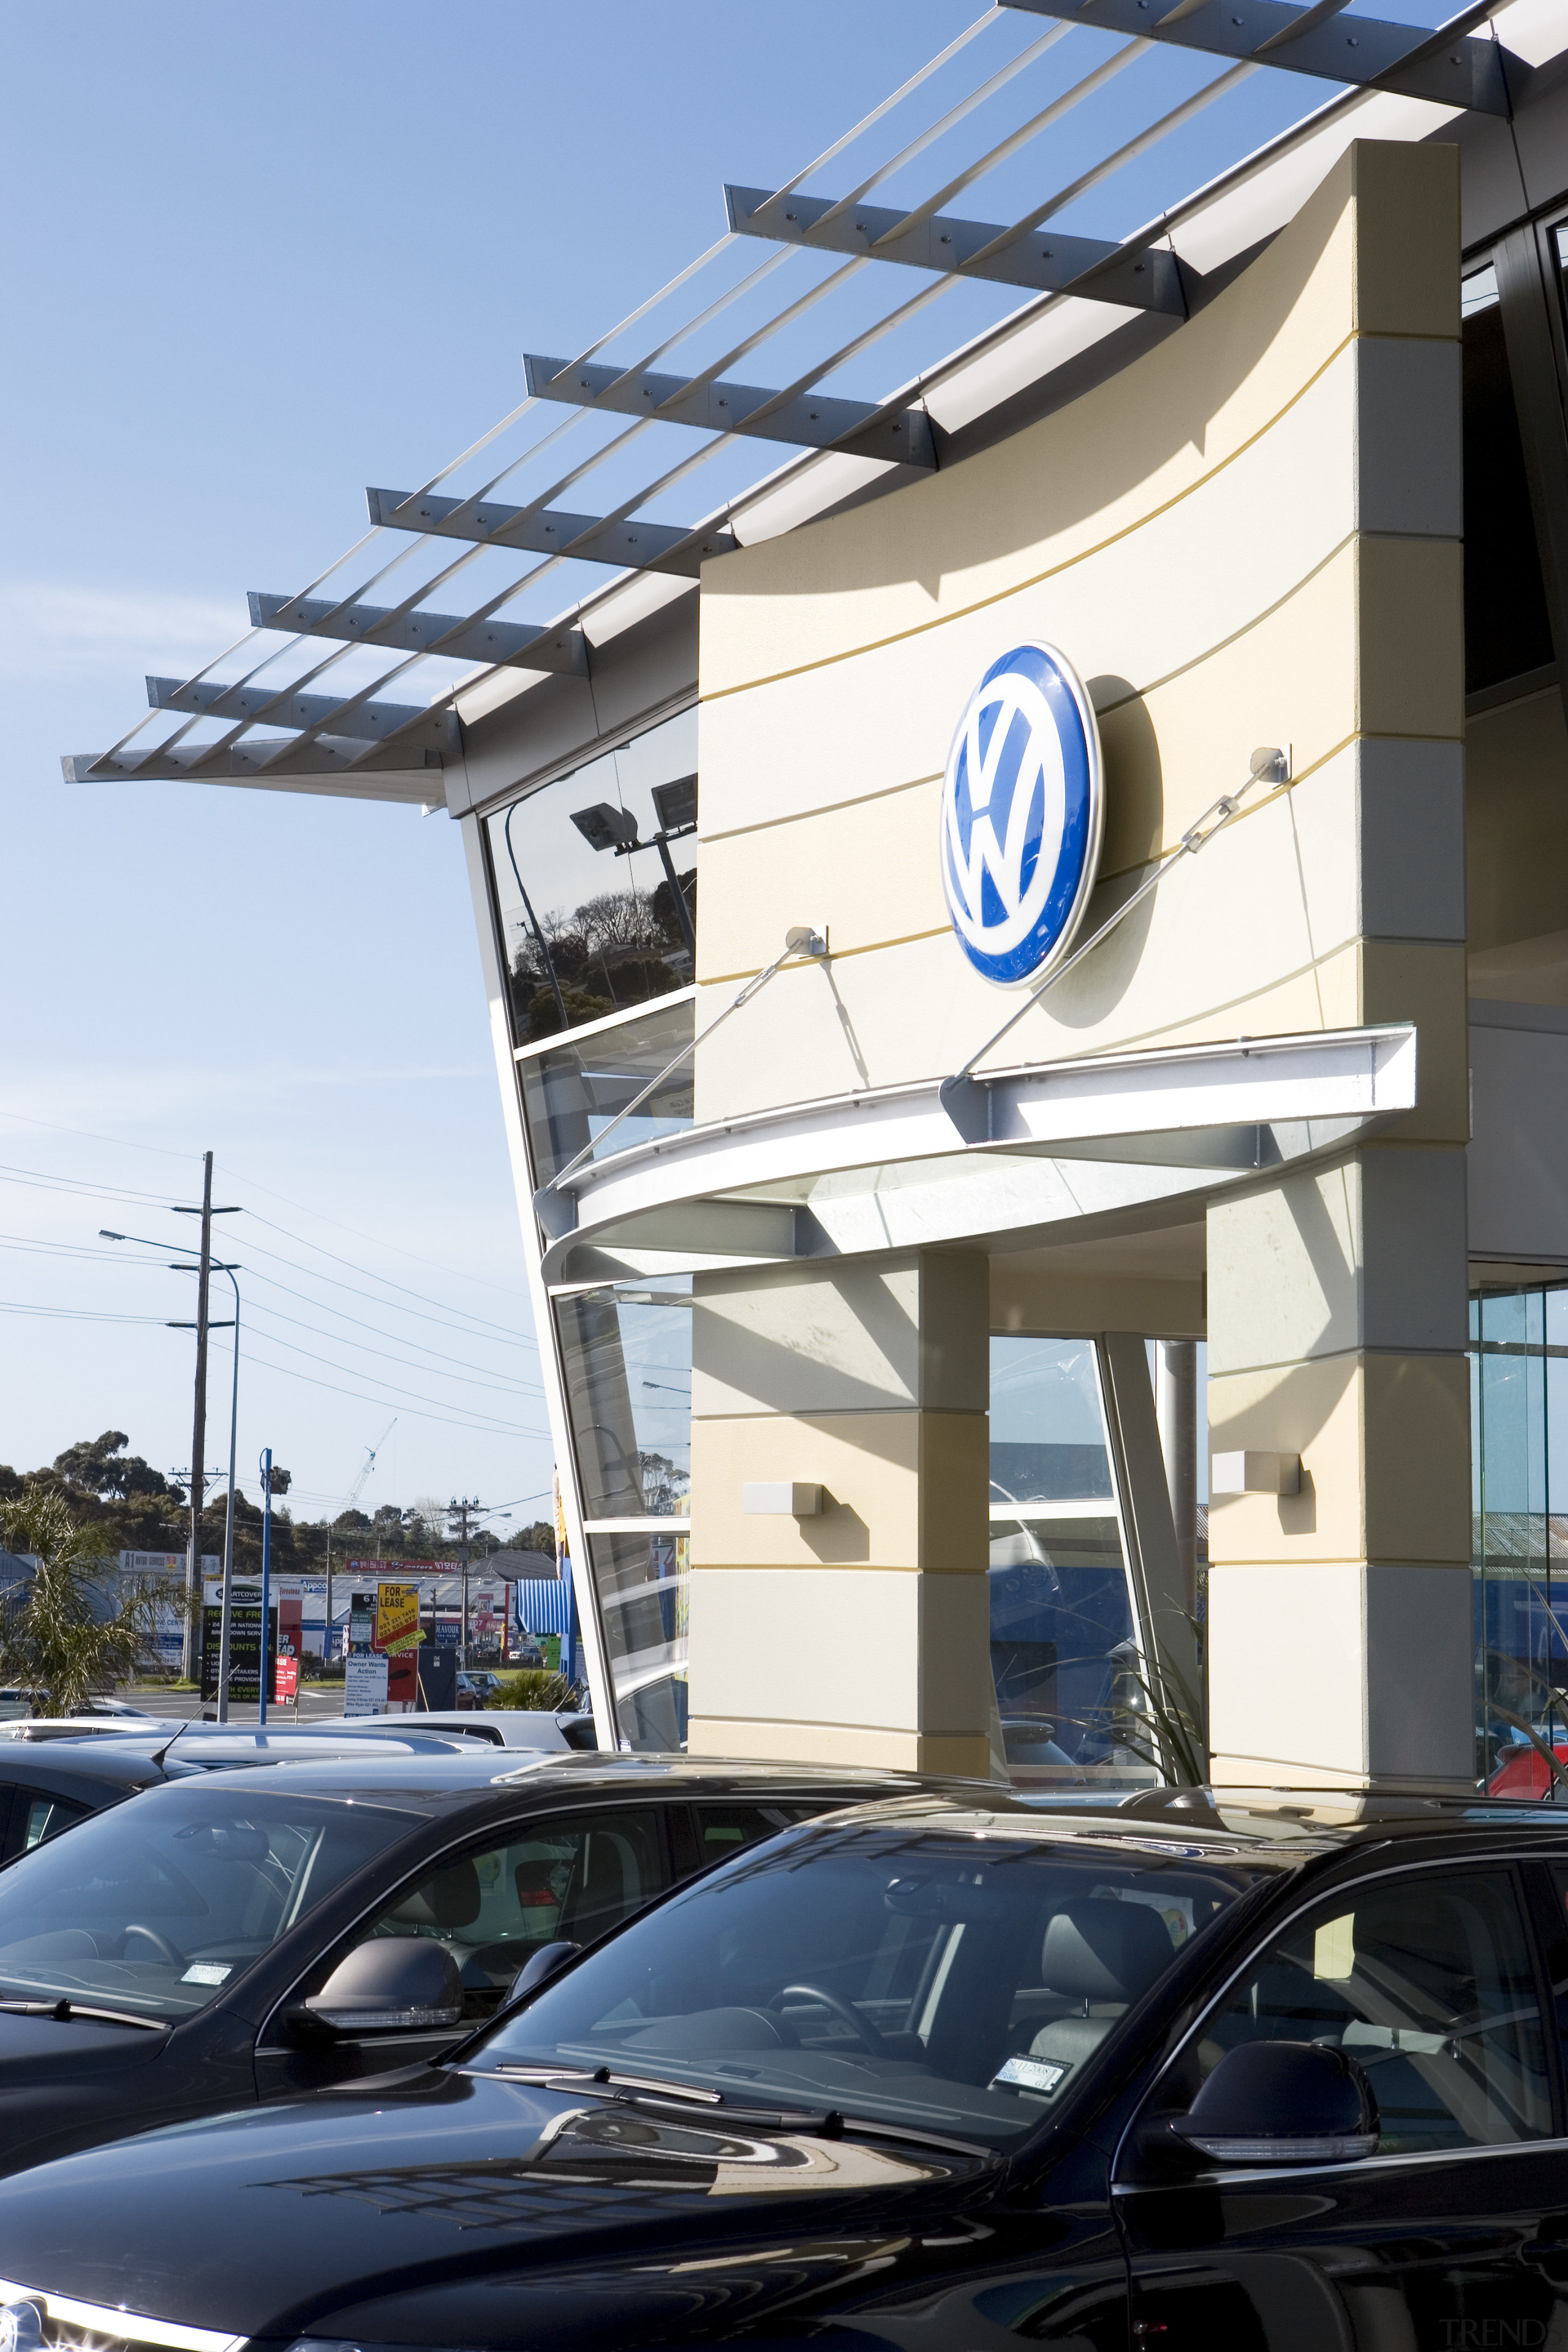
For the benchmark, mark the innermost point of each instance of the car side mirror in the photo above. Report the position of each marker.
(535, 1971)
(393, 1983)
(1282, 2102)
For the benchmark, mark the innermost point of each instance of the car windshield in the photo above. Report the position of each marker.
(156, 1905)
(946, 1975)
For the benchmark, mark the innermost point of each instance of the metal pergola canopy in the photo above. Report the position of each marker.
(1080, 132)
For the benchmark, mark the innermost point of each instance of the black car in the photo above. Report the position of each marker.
(937, 2074)
(155, 1964)
(49, 1780)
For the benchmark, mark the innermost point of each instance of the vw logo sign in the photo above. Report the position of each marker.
(1022, 813)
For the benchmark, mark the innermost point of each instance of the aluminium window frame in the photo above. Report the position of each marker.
(1534, 311)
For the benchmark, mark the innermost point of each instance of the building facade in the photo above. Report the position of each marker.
(870, 1273)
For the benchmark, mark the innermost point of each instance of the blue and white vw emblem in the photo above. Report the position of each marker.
(1022, 813)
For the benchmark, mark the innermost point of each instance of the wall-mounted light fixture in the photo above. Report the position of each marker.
(1255, 1473)
(780, 1497)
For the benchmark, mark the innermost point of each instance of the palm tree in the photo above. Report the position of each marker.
(55, 1642)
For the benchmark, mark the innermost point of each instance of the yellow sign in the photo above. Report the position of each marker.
(396, 1617)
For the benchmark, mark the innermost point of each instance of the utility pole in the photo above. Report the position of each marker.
(459, 1511)
(199, 1433)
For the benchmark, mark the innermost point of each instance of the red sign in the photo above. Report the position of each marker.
(286, 1679)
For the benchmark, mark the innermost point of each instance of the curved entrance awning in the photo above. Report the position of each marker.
(887, 1168)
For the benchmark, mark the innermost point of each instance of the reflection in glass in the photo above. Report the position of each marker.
(1048, 1436)
(595, 916)
(1507, 630)
(642, 1584)
(572, 1091)
(1064, 1652)
(1519, 1403)
(1062, 1647)
(626, 1354)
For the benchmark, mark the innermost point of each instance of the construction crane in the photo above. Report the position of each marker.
(357, 1489)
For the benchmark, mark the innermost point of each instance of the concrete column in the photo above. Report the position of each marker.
(1339, 1642)
(860, 1636)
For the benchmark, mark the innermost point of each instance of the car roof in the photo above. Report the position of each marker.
(437, 1780)
(63, 1764)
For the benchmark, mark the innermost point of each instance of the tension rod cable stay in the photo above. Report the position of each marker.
(799, 940)
(1268, 765)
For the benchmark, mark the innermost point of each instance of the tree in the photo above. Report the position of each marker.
(56, 1640)
(102, 1467)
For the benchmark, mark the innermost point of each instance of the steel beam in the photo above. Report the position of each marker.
(513, 645)
(901, 436)
(1146, 278)
(246, 762)
(1479, 76)
(548, 530)
(266, 705)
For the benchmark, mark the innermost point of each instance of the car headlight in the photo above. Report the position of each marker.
(21, 2327)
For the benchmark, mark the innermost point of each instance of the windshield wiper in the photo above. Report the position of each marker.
(64, 2011)
(645, 2090)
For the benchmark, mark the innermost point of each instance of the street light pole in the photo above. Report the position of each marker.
(266, 1577)
(199, 1424)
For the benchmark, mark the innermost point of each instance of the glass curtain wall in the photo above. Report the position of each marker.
(1519, 1456)
(625, 1351)
(596, 877)
(1065, 1651)
(594, 881)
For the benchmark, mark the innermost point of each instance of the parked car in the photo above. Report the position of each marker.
(475, 1687)
(48, 1783)
(1521, 1770)
(1278, 2075)
(158, 1963)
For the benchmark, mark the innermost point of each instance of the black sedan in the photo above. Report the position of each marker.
(938, 2074)
(155, 1963)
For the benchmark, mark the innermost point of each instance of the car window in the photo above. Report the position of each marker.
(158, 1904)
(569, 1880)
(705, 1832)
(1426, 1981)
(963, 1980)
(35, 1818)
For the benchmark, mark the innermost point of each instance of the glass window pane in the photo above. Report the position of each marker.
(47, 1816)
(958, 1983)
(1557, 1319)
(1424, 1980)
(572, 1091)
(1062, 1647)
(587, 926)
(1048, 1440)
(642, 1586)
(626, 1354)
(1507, 628)
(571, 1880)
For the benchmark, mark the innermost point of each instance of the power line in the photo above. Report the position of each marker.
(355, 1268)
(450, 1421)
(512, 1387)
(506, 1337)
(126, 1143)
(71, 1249)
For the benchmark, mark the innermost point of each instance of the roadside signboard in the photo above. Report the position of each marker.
(396, 1618)
(365, 1686)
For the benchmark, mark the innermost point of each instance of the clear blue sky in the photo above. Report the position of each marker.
(257, 257)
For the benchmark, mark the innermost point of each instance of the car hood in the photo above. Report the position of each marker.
(413, 2208)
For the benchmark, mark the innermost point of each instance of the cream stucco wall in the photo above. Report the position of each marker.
(1252, 535)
